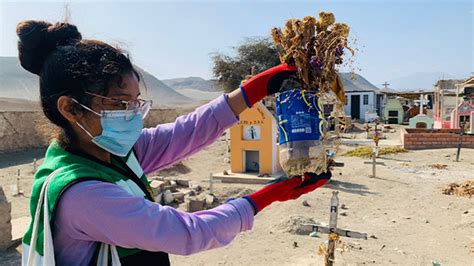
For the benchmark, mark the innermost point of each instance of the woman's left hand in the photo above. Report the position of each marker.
(284, 189)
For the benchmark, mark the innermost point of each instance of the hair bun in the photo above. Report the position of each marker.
(38, 39)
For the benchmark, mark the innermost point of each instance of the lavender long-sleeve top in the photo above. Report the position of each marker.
(94, 211)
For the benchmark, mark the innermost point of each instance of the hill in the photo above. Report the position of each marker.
(419, 80)
(17, 83)
(195, 83)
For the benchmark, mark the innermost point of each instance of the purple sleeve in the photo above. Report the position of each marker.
(166, 144)
(104, 212)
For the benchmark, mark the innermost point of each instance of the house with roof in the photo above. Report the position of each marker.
(362, 97)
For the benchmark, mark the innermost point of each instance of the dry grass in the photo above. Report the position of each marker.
(465, 189)
(366, 151)
(439, 166)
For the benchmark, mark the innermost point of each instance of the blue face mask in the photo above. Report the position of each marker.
(120, 130)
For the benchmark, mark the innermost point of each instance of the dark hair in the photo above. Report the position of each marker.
(68, 65)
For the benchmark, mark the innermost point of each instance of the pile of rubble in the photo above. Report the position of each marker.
(465, 189)
(179, 193)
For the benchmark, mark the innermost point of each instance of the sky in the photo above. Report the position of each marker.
(173, 39)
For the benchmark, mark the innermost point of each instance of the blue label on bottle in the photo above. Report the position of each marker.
(299, 116)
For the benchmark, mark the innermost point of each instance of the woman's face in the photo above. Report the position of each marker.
(129, 91)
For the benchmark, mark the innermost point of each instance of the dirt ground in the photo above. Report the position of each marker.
(408, 219)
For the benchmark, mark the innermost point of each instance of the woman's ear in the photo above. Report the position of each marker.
(69, 109)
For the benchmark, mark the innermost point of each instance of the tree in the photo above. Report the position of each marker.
(252, 55)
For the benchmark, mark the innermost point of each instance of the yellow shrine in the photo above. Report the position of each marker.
(253, 142)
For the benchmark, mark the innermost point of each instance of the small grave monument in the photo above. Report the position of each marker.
(253, 142)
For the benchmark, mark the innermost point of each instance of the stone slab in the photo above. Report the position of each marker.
(244, 178)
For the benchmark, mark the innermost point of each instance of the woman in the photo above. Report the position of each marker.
(98, 192)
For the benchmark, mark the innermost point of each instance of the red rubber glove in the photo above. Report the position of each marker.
(284, 189)
(266, 83)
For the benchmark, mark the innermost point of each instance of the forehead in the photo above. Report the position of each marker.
(129, 87)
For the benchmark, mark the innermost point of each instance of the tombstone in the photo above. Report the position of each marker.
(420, 125)
(393, 112)
(421, 121)
(5, 222)
(253, 143)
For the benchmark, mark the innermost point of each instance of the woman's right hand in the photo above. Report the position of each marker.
(286, 189)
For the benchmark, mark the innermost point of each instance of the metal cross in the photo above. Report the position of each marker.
(386, 85)
(332, 230)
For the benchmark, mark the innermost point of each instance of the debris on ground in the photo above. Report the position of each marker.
(294, 224)
(439, 166)
(366, 151)
(465, 189)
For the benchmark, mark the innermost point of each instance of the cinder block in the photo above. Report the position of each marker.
(193, 205)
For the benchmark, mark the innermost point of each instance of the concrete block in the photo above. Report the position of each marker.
(182, 182)
(178, 197)
(157, 186)
(193, 205)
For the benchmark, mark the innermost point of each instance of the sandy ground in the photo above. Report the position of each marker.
(408, 219)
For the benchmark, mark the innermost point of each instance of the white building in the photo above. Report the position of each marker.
(361, 97)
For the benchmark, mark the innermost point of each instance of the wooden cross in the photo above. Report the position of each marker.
(374, 162)
(211, 183)
(375, 152)
(333, 232)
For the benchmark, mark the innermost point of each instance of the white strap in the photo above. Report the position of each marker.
(48, 247)
(115, 256)
(103, 258)
(34, 236)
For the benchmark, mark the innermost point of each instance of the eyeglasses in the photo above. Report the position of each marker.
(141, 105)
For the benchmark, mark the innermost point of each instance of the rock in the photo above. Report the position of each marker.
(313, 234)
(466, 212)
(225, 172)
(195, 187)
(394, 221)
(343, 207)
(170, 188)
(425, 221)
(193, 205)
(157, 186)
(159, 178)
(178, 197)
(226, 160)
(189, 193)
(343, 213)
(168, 197)
(305, 203)
(159, 198)
(295, 244)
(211, 201)
(374, 237)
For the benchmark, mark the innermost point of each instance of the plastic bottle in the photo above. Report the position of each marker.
(301, 126)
